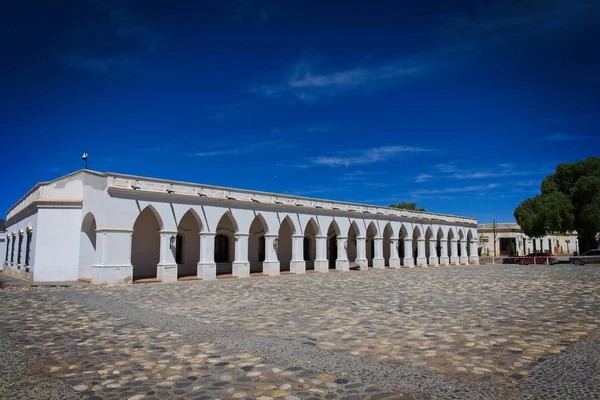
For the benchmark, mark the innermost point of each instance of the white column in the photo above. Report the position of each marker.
(394, 258)
(241, 265)
(342, 263)
(433, 257)
(361, 251)
(421, 255)
(378, 260)
(444, 260)
(207, 269)
(298, 265)
(474, 257)
(112, 265)
(271, 263)
(464, 259)
(454, 252)
(409, 261)
(321, 263)
(166, 270)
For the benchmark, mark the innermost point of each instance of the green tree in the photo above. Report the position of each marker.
(569, 200)
(407, 206)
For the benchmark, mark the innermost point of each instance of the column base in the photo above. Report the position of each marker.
(112, 274)
(271, 267)
(362, 263)
(421, 261)
(464, 260)
(474, 260)
(298, 266)
(394, 263)
(379, 263)
(321, 265)
(408, 262)
(444, 261)
(240, 269)
(207, 271)
(433, 261)
(454, 260)
(342, 265)
(166, 272)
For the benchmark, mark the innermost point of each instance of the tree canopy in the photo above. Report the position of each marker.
(569, 200)
(407, 206)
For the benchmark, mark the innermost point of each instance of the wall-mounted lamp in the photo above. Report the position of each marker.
(172, 241)
(275, 243)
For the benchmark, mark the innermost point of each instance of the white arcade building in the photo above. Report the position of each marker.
(115, 229)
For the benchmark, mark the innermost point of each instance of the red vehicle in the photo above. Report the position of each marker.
(536, 258)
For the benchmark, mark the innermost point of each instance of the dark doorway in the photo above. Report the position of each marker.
(508, 247)
(333, 254)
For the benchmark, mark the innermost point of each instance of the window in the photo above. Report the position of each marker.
(306, 249)
(179, 249)
(12, 249)
(261, 249)
(28, 247)
(221, 249)
(7, 247)
(19, 248)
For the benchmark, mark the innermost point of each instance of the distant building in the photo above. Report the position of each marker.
(511, 241)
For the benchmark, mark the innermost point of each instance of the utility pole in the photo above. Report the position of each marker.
(494, 231)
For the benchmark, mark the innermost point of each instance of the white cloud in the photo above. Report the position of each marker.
(368, 156)
(456, 189)
(423, 178)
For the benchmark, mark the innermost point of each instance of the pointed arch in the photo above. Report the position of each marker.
(284, 247)
(371, 234)
(388, 249)
(333, 231)
(354, 226)
(193, 214)
(353, 234)
(315, 227)
(256, 243)
(470, 242)
(311, 231)
(429, 252)
(403, 234)
(416, 232)
(187, 250)
(154, 211)
(87, 246)
(145, 243)
(226, 229)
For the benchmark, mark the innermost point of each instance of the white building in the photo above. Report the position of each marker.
(113, 229)
(511, 241)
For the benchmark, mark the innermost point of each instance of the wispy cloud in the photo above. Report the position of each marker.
(423, 178)
(277, 144)
(355, 176)
(561, 136)
(526, 183)
(460, 189)
(368, 156)
(309, 84)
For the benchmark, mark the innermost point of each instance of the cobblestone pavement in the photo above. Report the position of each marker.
(453, 332)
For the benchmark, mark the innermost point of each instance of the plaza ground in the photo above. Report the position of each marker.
(500, 331)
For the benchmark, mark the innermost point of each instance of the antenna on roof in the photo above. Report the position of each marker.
(84, 157)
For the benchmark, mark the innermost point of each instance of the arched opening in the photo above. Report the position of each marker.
(87, 246)
(461, 239)
(371, 233)
(332, 250)
(187, 250)
(256, 244)
(352, 250)
(415, 244)
(428, 250)
(387, 241)
(449, 245)
(469, 243)
(403, 235)
(284, 246)
(225, 244)
(145, 244)
(440, 240)
(310, 244)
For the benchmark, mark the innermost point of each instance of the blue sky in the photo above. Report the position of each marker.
(461, 106)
